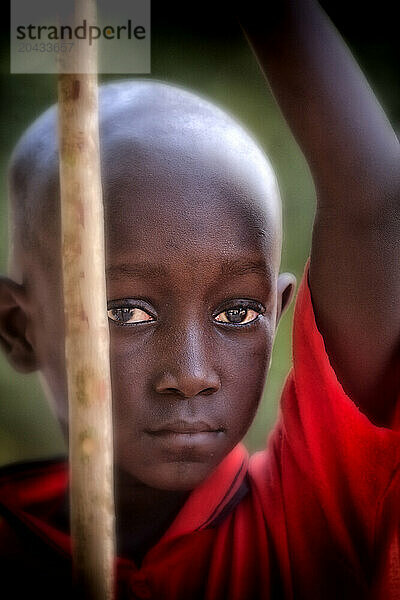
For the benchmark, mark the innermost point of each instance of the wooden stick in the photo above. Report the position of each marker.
(86, 329)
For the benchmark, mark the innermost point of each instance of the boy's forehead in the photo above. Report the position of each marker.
(175, 169)
(186, 206)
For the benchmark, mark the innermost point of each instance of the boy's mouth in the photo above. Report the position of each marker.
(187, 440)
(184, 427)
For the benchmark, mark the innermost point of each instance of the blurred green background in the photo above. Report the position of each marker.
(207, 53)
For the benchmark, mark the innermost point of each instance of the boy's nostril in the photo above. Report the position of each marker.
(171, 390)
(208, 391)
(186, 393)
(186, 387)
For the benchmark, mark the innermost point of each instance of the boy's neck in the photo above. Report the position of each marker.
(143, 515)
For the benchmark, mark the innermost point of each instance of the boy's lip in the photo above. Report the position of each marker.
(180, 426)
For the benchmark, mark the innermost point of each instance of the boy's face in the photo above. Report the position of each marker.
(193, 302)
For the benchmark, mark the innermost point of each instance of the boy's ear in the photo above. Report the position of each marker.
(14, 338)
(285, 291)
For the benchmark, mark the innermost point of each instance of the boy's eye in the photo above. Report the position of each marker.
(237, 315)
(128, 314)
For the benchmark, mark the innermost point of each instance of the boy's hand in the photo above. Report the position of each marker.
(354, 156)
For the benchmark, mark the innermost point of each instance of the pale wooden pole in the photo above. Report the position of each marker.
(86, 326)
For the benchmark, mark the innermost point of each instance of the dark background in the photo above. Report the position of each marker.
(202, 47)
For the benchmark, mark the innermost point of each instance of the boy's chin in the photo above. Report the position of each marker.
(174, 461)
(182, 476)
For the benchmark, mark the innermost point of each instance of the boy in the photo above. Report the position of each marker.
(195, 295)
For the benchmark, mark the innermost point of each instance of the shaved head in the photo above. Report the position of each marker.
(156, 139)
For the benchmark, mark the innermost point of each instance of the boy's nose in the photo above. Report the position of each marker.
(188, 385)
(188, 371)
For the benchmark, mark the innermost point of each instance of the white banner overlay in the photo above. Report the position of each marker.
(45, 35)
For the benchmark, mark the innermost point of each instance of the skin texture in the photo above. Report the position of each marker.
(192, 232)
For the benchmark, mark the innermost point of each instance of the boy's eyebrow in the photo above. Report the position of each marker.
(144, 270)
(230, 268)
(242, 267)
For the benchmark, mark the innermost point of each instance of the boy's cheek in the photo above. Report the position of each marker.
(50, 351)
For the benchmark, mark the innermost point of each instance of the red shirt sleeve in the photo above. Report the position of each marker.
(331, 477)
(349, 459)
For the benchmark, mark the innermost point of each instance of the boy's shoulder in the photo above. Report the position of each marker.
(28, 491)
(30, 481)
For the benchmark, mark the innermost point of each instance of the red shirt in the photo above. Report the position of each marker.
(316, 515)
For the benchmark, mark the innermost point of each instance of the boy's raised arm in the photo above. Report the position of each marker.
(353, 155)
